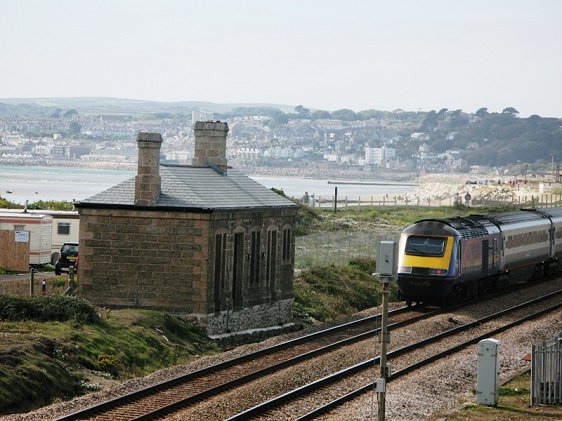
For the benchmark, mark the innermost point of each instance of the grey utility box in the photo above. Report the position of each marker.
(488, 378)
(387, 259)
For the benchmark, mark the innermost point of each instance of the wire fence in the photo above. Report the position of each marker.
(546, 372)
(339, 202)
(339, 247)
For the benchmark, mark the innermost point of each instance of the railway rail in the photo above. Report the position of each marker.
(170, 396)
(273, 408)
(183, 391)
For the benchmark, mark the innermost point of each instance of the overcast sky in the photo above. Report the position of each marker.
(371, 54)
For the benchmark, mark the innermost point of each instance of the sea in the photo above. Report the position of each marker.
(19, 184)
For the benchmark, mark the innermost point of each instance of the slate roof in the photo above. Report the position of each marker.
(195, 188)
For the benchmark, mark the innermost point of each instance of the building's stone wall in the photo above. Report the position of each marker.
(166, 261)
(256, 317)
(144, 258)
(268, 290)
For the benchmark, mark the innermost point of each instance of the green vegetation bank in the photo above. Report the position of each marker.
(57, 347)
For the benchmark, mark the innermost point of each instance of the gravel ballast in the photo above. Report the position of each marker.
(443, 385)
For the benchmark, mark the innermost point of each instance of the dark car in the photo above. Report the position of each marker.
(68, 256)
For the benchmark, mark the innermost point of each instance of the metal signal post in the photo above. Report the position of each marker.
(386, 271)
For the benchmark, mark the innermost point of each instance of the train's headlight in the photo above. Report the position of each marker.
(405, 269)
(440, 272)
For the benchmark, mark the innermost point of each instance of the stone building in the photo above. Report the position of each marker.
(200, 240)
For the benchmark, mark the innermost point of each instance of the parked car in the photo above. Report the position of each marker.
(67, 256)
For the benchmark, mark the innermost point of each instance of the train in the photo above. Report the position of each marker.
(447, 260)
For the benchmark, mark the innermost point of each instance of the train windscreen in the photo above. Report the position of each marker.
(425, 246)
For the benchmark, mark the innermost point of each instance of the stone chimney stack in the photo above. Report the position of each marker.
(210, 144)
(147, 181)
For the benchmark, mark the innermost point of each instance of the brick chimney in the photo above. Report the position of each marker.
(147, 181)
(210, 145)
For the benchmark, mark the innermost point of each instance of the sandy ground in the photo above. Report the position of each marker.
(447, 189)
(454, 187)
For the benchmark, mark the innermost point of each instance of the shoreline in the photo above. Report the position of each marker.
(446, 187)
(317, 171)
(127, 166)
(373, 183)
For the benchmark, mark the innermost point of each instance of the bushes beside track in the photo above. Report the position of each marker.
(325, 293)
(46, 309)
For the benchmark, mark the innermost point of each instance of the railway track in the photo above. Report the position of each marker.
(186, 390)
(276, 408)
(170, 396)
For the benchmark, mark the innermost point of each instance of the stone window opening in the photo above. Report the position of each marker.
(255, 258)
(220, 269)
(287, 240)
(271, 261)
(237, 270)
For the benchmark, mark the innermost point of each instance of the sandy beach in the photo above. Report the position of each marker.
(448, 189)
(482, 189)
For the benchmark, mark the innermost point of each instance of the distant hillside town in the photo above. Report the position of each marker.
(366, 144)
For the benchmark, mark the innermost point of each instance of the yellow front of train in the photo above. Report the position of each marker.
(428, 262)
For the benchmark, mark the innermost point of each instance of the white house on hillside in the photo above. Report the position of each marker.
(376, 156)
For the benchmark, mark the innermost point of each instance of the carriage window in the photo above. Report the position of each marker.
(425, 246)
(63, 228)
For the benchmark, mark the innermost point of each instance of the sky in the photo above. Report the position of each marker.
(322, 54)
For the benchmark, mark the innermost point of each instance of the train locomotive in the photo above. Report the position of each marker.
(456, 259)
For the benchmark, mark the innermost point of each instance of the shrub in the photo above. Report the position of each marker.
(51, 205)
(6, 204)
(326, 292)
(508, 391)
(364, 264)
(4, 271)
(109, 364)
(44, 309)
(58, 282)
(306, 220)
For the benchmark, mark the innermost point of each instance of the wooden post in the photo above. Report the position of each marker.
(71, 284)
(31, 281)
